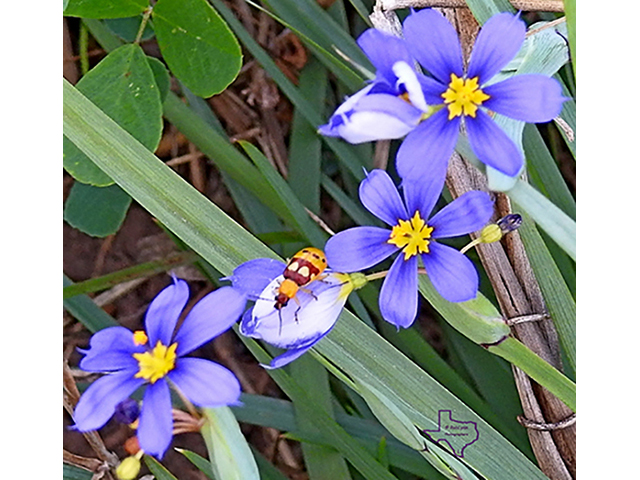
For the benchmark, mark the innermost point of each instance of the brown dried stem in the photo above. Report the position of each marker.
(524, 5)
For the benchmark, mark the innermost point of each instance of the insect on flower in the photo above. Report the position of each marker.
(294, 327)
(304, 267)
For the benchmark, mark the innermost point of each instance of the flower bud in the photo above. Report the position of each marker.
(128, 468)
(127, 411)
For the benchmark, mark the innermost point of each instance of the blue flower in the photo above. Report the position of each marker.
(156, 359)
(392, 105)
(299, 325)
(414, 235)
(533, 98)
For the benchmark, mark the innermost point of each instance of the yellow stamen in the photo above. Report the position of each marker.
(155, 364)
(140, 338)
(463, 97)
(412, 236)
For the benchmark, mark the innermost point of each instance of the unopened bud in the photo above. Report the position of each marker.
(491, 233)
(127, 411)
(128, 468)
(509, 223)
(358, 279)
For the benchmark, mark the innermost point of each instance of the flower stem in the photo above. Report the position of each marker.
(143, 24)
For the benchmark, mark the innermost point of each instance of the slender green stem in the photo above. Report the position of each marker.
(84, 48)
(137, 271)
(143, 24)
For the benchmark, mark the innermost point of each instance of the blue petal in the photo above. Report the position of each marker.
(392, 106)
(431, 89)
(399, 292)
(380, 196)
(422, 194)
(251, 277)
(453, 275)
(469, 212)
(384, 50)
(210, 317)
(248, 323)
(492, 146)
(98, 402)
(156, 420)
(290, 355)
(164, 311)
(205, 383)
(358, 248)
(499, 40)
(531, 98)
(366, 117)
(427, 149)
(110, 350)
(433, 41)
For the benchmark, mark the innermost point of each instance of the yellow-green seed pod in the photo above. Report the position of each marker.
(491, 233)
(128, 468)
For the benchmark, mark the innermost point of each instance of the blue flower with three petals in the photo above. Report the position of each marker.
(414, 235)
(157, 358)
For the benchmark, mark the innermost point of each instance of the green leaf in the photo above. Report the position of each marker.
(476, 319)
(105, 9)
(231, 457)
(123, 86)
(86, 311)
(71, 472)
(302, 222)
(399, 425)
(127, 28)
(560, 227)
(161, 76)
(96, 211)
(519, 354)
(570, 11)
(197, 45)
(127, 274)
(555, 291)
(159, 470)
(200, 462)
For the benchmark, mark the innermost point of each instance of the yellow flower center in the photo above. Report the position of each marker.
(463, 96)
(157, 363)
(412, 236)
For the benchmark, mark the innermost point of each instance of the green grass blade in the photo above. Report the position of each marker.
(86, 311)
(545, 173)
(557, 296)
(159, 471)
(321, 461)
(519, 354)
(303, 221)
(559, 226)
(305, 146)
(138, 271)
(229, 452)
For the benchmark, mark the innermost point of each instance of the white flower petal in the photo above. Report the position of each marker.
(407, 77)
(299, 323)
